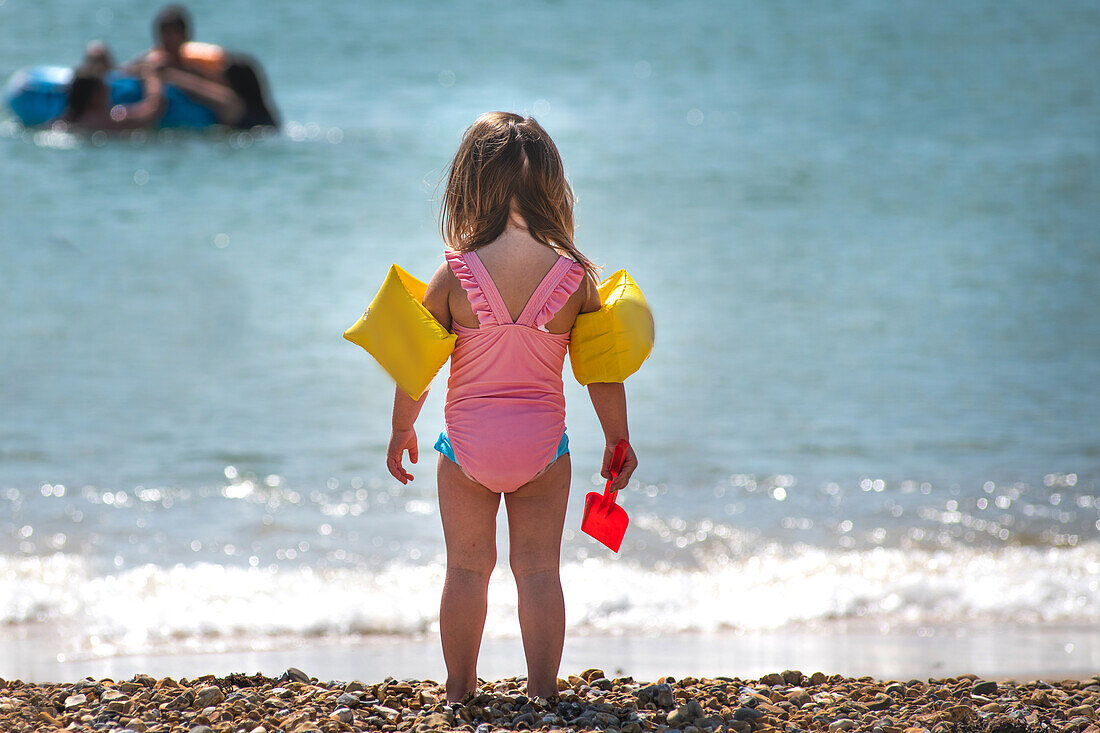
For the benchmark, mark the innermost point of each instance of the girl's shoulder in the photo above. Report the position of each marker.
(589, 293)
(437, 297)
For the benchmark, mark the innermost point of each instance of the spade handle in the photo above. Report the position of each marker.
(618, 458)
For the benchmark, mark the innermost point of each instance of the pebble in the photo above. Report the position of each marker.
(791, 676)
(881, 701)
(685, 714)
(435, 720)
(604, 720)
(782, 702)
(660, 695)
(348, 700)
(747, 714)
(208, 696)
(984, 688)
(798, 696)
(296, 675)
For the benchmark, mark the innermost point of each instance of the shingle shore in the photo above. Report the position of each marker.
(781, 702)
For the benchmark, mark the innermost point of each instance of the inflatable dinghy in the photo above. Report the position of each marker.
(38, 94)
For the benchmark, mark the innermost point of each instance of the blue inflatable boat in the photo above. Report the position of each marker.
(38, 94)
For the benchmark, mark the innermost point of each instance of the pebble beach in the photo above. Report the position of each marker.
(787, 701)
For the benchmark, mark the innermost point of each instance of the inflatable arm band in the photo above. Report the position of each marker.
(402, 335)
(610, 344)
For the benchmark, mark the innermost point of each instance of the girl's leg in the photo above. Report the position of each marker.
(536, 515)
(469, 513)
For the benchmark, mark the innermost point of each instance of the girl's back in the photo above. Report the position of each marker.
(517, 265)
(505, 411)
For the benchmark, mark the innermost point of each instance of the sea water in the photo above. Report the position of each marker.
(868, 233)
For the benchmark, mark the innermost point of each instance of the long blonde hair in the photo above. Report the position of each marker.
(506, 160)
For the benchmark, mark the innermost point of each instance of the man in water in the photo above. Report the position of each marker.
(209, 71)
(175, 49)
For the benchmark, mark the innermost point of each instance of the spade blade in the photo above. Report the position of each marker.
(603, 519)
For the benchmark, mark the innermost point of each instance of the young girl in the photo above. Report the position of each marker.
(512, 285)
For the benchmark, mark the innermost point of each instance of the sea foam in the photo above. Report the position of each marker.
(206, 606)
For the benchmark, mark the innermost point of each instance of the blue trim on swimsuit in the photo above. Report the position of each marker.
(443, 445)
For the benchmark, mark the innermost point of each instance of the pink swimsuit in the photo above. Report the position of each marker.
(505, 410)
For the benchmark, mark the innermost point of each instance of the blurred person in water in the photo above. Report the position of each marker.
(98, 59)
(88, 103)
(208, 71)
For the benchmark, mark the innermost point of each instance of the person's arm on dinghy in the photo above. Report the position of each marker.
(149, 110)
(125, 117)
(226, 104)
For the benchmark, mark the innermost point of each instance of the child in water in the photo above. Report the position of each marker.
(511, 288)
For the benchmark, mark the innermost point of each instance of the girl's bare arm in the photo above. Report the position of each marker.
(403, 435)
(405, 408)
(609, 401)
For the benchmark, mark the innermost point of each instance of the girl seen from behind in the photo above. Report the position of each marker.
(511, 288)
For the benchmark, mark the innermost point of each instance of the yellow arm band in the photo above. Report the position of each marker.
(402, 335)
(610, 344)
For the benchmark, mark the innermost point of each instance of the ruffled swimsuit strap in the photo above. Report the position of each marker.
(552, 293)
(480, 289)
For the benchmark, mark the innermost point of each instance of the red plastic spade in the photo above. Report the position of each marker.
(604, 520)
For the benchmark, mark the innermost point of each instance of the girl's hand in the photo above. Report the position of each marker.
(629, 464)
(401, 441)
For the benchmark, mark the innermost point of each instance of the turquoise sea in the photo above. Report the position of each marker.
(868, 232)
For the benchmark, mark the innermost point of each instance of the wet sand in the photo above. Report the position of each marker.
(1004, 651)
